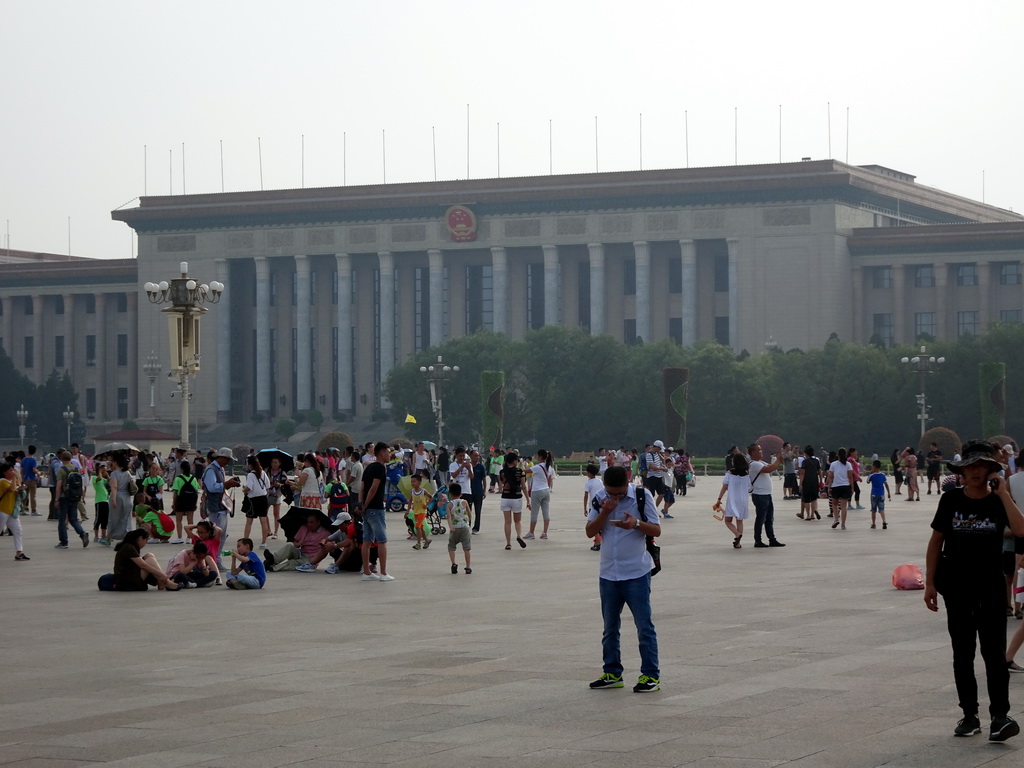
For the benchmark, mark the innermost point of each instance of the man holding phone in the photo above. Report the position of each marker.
(625, 574)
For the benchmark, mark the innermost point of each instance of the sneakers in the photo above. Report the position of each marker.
(968, 726)
(426, 544)
(61, 546)
(218, 582)
(760, 545)
(596, 548)
(332, 568)
(85, 539)
(667, 516)
(369, 577)
(885, 526)
(607, 680)
(232, 584)
(455, 569)
(467, 569)
(1002, 728)
(417, 545)
(306, 568)
(385, 577)
(776, 543)
(521, 542)
(178, 540)
(528, 536)
(647, 684)
(22, 556)
(543, 535)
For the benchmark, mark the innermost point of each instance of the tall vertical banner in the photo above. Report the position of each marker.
(492, 407)
(675, 384)
(992, 384)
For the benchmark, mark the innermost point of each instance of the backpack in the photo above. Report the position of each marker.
(338, 498)
(73, 489)
(188, 496)
(642, 464)
(105, 583)
(652, 549)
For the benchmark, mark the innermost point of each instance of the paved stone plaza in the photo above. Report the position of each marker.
(803, 656)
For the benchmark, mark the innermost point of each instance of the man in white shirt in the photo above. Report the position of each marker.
(461, 468)
(655, 480)
(761, 494)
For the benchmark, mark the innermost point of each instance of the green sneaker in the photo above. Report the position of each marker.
(607, 680)
(646, 684)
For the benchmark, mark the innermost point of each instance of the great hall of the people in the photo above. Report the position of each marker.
(327, 289)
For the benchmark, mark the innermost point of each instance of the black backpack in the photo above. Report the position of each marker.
(73, 489)
(653, 549)
(188, 496)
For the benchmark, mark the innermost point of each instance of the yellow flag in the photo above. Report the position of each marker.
(410, 419)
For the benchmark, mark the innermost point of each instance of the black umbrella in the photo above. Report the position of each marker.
(267, 455)
(296, 517)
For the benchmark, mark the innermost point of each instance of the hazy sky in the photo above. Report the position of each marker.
(933, 88)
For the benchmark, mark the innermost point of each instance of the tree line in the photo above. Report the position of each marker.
(567, 390)
(45, 404)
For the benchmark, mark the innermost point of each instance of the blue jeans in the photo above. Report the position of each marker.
(636, 593)
(247, 580)
(67, 510)
(764, 511)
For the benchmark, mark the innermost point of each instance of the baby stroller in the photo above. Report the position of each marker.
(395, 500)
(437, 510)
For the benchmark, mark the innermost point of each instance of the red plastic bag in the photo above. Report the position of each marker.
(908, 576)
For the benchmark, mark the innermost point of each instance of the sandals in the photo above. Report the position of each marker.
(835, 524)
(736, 542)
(508, 546)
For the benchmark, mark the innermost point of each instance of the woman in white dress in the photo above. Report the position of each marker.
(736, 484)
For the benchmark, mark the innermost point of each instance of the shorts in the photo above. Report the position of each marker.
(515, 506)
(1009, 563)
(877, 504)
(934, 471)
(258, 507)
(842, 492)
(808, 494)
(420, 518)
(670, 497)
(375, 526)
(458, 536)
(789, 481)
(655, 485)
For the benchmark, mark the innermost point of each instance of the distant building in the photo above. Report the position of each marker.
(787, 253)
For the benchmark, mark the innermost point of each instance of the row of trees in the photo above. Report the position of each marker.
(45, 404)
(568, 390)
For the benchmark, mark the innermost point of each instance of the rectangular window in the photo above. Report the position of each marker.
(29, 306)
(967, 323)
(376, 334)
(675, 276)
(334, 367)
(722, 272)
(312, 287)
(122, 349)
(534, 295)
(881, 277)
(675, 330)
(273, 288)
(294, 389)
(334, 287)
(295, 289)
(90, 403)
(90, 303)
(479, 298)
(1009, 316)
(924, 276)
(90, 351)
(629, 331)
(966, 274)
(722, 330)
(583, 294)
(58, 305)
(1009, 273)
(924, 325)
(121, 302)
(122, 402)
(272, 358)
(58, 352)
(30, 352)
(881, 327)
(421, 308)
(629, 277)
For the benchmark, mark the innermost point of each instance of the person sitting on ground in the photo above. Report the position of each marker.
(209, 534)
(193, 567)
(301, 550)
(339, 546)
(160, 528)
(135, 572)
(247, 571)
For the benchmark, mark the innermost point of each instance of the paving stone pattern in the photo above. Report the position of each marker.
(802, 656)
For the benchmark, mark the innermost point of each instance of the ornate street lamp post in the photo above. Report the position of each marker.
(152, 369)
(22, 415)
(436, 375)
(69, 417)
(923, 365)
(186, 297)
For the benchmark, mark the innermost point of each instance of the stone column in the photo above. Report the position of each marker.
(436, 290)
(734, 297)
(386, 263)
(224, 346)
(69, 332)
(103, 368)
(38, 371)
(945, 327)
(984, 294)
(899, 303)
(688, 254)
(642, 256)
(552, 315)
(261, 316)
(304, 376)
(135, 373)
(345, 403)
(596, 288)
(499, 287)
(858, 304)
(8, 326)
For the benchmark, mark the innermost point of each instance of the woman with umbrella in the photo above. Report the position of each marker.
(256, 490)
(121, 483)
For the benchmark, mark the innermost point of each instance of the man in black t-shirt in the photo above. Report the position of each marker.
(374, 523)
(934, 459)
(964, 564)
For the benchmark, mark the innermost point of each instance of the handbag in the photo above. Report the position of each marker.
(246, 505)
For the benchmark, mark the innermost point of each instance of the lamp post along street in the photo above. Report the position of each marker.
(186, 297)
(22, 415)
(69, 417)
(923, 365)
(436, 375)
